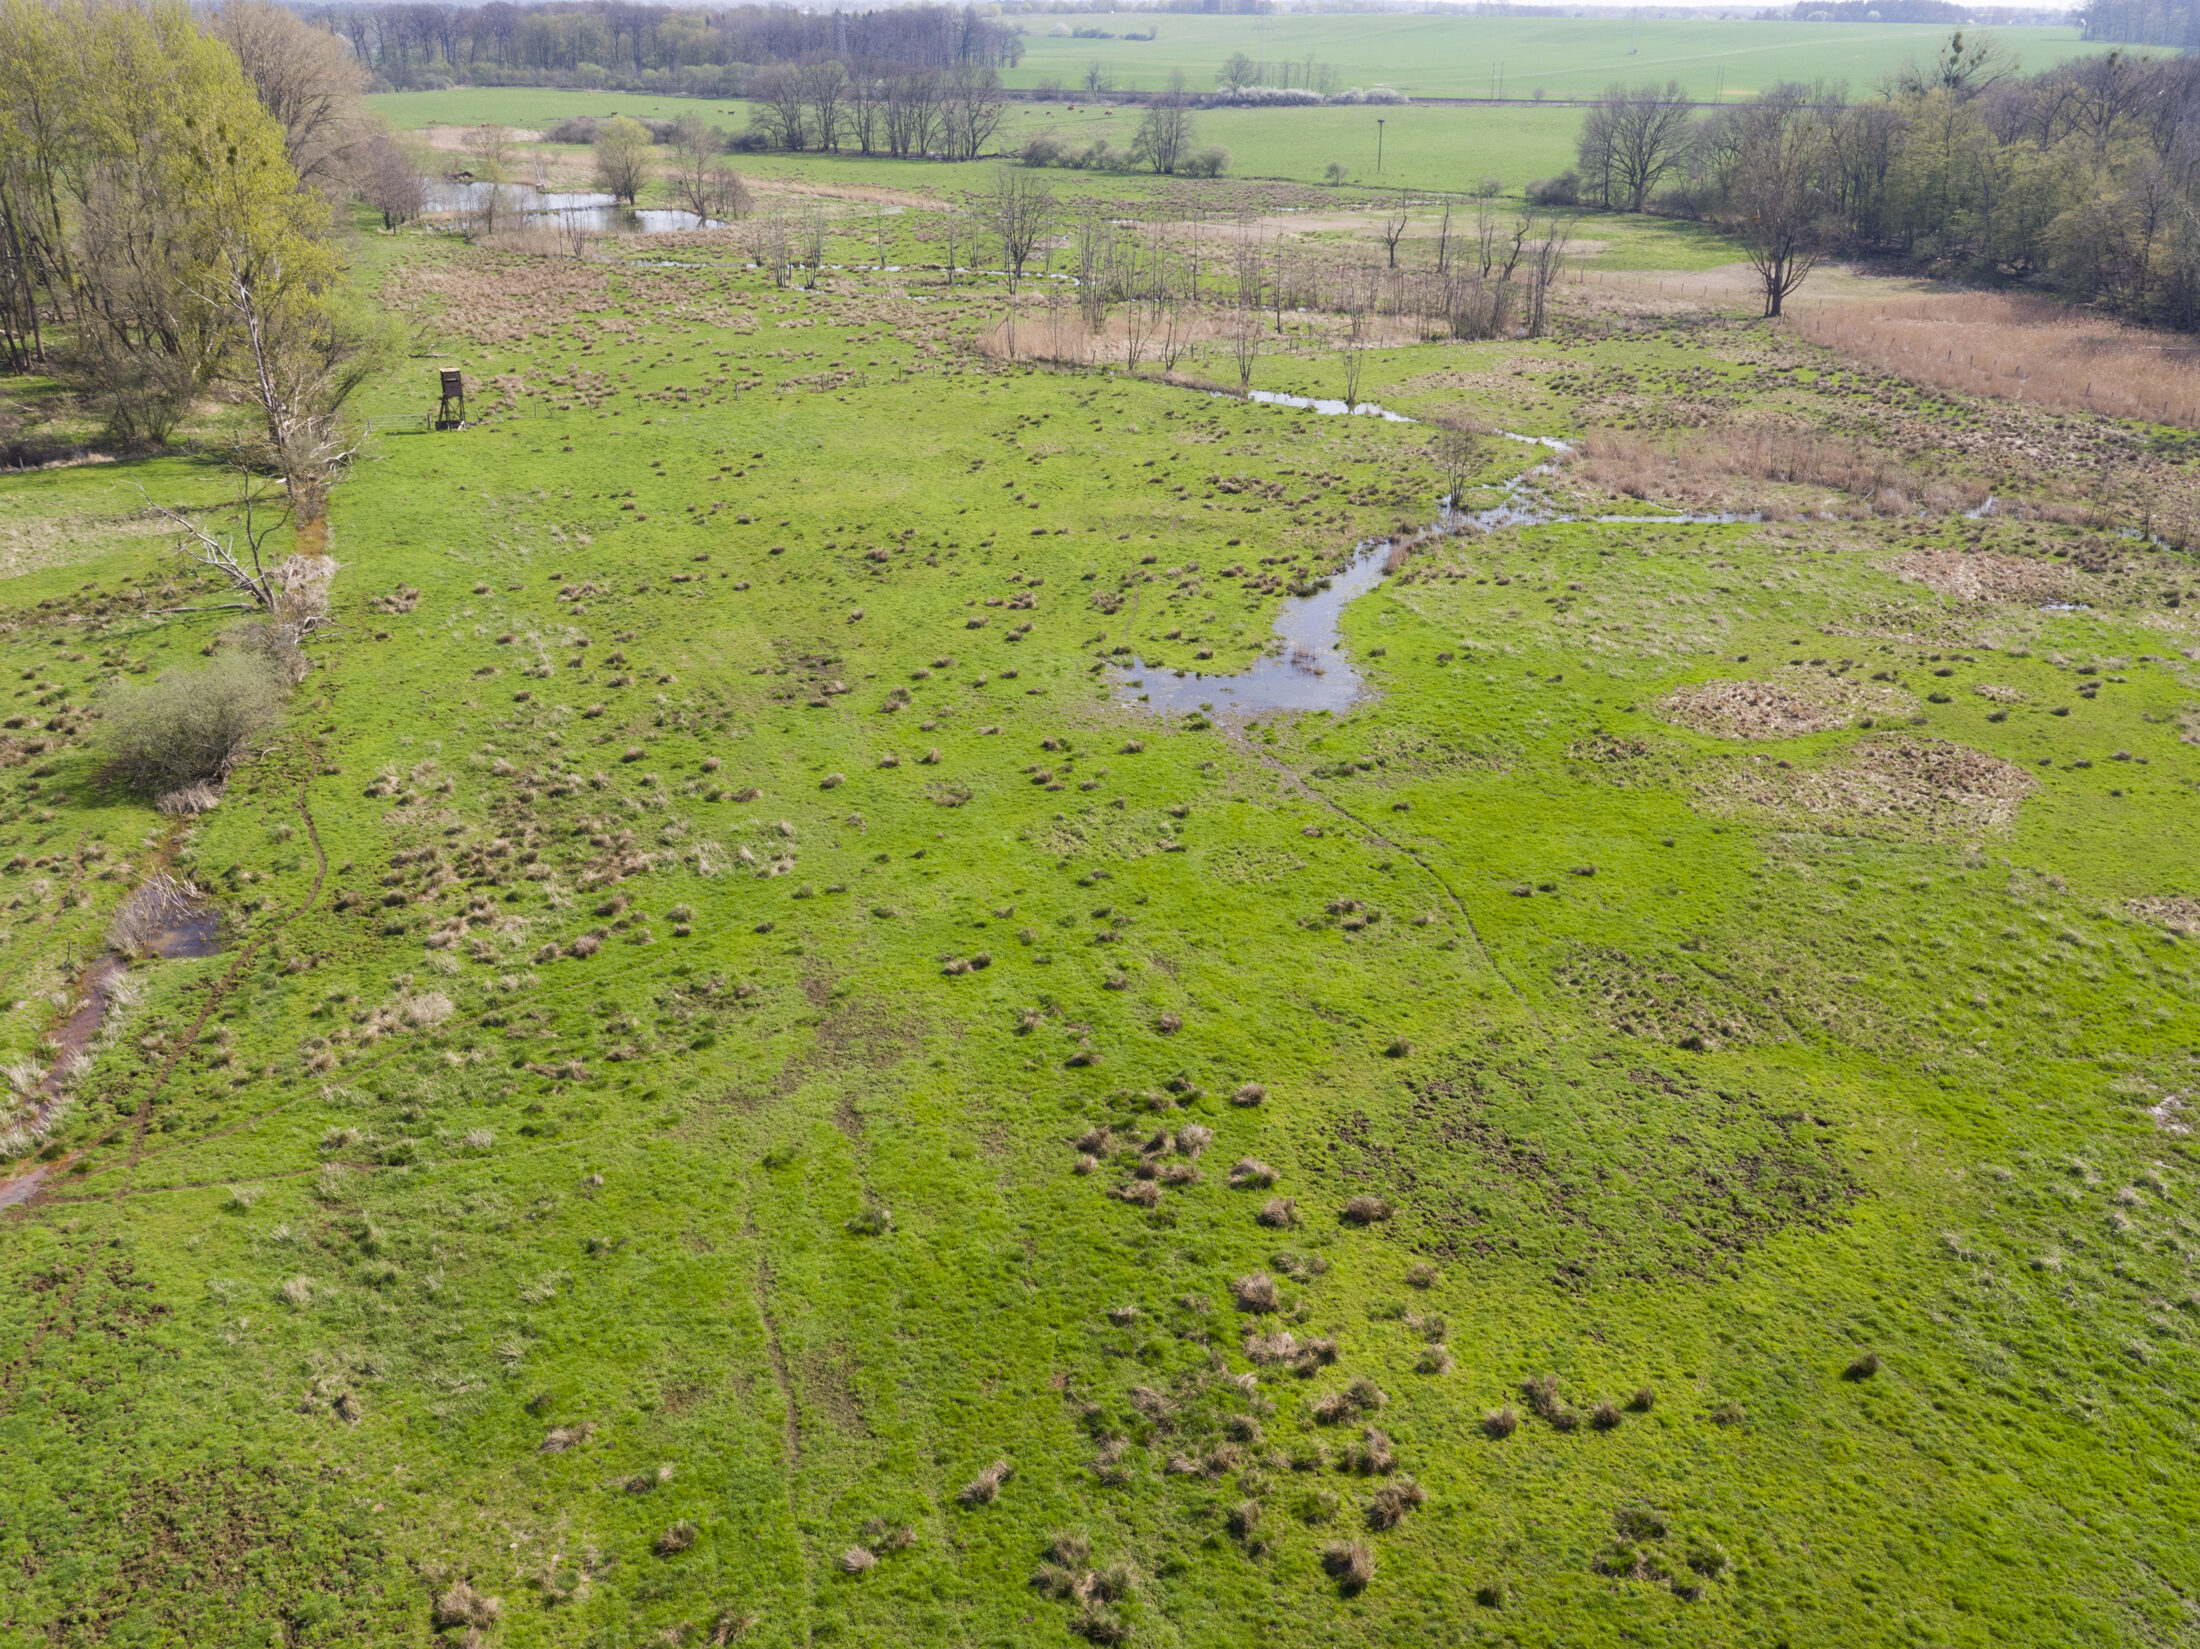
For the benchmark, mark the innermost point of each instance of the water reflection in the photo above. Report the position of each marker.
(1304, 668)
(523, 203)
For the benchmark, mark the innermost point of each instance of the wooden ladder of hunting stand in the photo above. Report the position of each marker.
(450, 413)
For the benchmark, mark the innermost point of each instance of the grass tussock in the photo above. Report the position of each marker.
(1350, 1564)
(1256, 1292)
(985, 1488)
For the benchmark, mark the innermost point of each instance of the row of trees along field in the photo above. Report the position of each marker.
(165, 205)
(609, 42)
(2085, 178)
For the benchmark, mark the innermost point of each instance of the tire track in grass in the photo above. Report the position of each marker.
(66, 1302)
(1299, 785)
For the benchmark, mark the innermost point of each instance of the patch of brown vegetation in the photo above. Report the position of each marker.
(1890, 784)
(2021, 348)
(1699, 470)
(2172, 911)
(1985, 577)
(1796, 702)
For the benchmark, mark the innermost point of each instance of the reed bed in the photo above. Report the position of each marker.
(2018, 348)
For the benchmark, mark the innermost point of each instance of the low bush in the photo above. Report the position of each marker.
(190, 726)
(1562, 190)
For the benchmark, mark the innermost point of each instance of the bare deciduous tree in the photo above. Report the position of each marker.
(1021, 211)
(1777, 196)
(1393, 228)
(1458, 454)
(307, 81)
(1630, 140)
(1166, 132)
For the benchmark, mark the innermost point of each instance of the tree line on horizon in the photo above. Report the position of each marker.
(2084, 179)
(695, 51)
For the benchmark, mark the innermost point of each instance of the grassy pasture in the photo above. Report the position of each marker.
(754, 1211)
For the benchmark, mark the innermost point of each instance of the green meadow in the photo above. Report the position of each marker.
(753, 1092)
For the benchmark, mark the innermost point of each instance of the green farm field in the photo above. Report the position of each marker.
(1430, 148)
(1461, 56)
(754, 1091)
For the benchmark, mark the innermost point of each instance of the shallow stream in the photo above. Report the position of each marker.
(1306, 667)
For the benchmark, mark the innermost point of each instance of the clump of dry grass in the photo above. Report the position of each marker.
(2174, 912)
(1700, 468)
(1366, 1210)
(1350, 1564)
(425, 1010)
(1249, 1093)
(1541, 1392)
(676, 1539)
(1256, 1292)
(1279, 1213)
(1501, 1422)
(1423, 1274)
(1893, 783)
(858, 1560)
(1392, 1501)
(985, 1488)
(1798, 702)
(1435, 1358)
(460, 1605)
(1250, 1173)
(1279, 1347)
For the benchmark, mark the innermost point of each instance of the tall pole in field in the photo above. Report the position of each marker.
(1378, 145)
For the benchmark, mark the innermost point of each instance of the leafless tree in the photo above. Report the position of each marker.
(1458, 454)
(912, 112)
(780, 106)
(701, 180)
(308, 82)
(768, 243)
(1544, 265)
(1777, 199)
(971, 109)
(1393, 228)
(291, 591)
(825, 88)
(389, 180)
(810, 243)
(867, 109)
(1630, 140)
(1021, 212)
(1166, 132)
(1355, 345)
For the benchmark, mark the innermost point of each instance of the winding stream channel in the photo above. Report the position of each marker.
(1306, 667)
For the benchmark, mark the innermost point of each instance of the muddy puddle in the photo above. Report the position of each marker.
(187, 931)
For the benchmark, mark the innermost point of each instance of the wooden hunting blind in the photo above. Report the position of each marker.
(450, 413)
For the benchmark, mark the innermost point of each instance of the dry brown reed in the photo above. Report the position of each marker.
(2022, 348)
(1689, 469)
